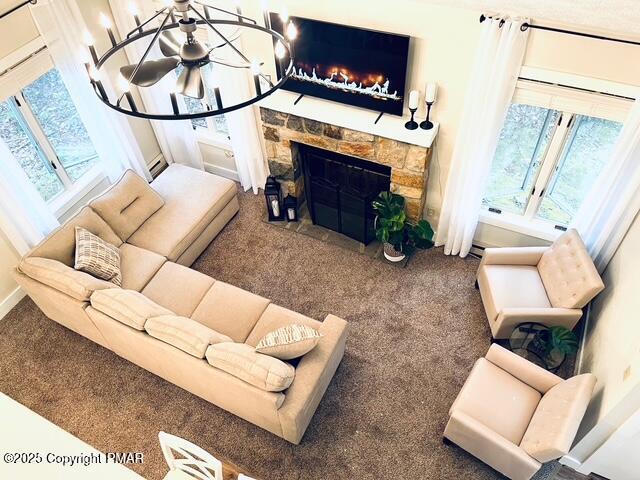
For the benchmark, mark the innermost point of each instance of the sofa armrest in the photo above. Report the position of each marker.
(525, 371)
(513, 256)
(490, 447)
(313, 374)
(509, 318)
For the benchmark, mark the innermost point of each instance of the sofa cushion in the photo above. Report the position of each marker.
(286, 343)
(138, 266)
(97, 257)
(178, 288)
(60, 245)
(223, 302)
(568, 273)
(127, 204)
(127, 306)
(275, 317)
(76, 284)
(242, 361)
(498, 400)
(556, 420)
(496, 287)
(193, 198)
(183, 333)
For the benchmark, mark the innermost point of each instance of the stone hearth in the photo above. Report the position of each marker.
(409, 163)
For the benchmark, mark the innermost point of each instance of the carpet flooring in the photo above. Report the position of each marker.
(415, 334)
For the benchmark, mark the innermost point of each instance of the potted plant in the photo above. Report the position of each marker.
(555, 343)
(393, 230)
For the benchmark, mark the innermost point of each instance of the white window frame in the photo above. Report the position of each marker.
(23, 68)
(570, 102)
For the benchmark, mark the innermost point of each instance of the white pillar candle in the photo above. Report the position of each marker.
(414, 99)
(431, 92)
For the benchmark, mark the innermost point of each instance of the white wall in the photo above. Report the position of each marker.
(612, 349)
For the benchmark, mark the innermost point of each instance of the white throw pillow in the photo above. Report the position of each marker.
(289, 342)
(97, 257)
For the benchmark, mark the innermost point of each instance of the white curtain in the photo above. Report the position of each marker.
(614, 201)
(501, 49)
(245, 132)
(62, 28)
(24, 216)
(177, 139)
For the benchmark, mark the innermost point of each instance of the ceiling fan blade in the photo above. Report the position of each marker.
(190, 82)
(169, 44)
(150, 72)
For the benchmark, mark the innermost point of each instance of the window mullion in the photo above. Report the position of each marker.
(43, 142)
(548, 165)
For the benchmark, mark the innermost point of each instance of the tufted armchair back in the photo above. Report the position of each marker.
(569, 276)
(555, 422)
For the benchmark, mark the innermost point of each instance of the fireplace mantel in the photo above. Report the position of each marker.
(353, 118)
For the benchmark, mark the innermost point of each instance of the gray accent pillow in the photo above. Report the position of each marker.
(97, 257)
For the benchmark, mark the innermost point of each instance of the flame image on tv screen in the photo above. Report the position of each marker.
(358, 67)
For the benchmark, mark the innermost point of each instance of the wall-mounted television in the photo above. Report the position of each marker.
(359, 67)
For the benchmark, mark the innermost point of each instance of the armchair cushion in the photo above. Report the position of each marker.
(498, 400)
(497, 284)
(556, 420)
(490, 447)
(513, 256)
(568, 273)
(525, 371)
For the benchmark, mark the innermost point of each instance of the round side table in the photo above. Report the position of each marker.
(528, 340)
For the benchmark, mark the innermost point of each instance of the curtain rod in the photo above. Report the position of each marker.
(17, 7)
(526, 25)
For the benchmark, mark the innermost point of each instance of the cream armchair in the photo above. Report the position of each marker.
(548, 285)
(514, 415)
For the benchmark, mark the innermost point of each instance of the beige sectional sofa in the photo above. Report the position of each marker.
(159, 231)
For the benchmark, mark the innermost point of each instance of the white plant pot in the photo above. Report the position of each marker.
(393, 255)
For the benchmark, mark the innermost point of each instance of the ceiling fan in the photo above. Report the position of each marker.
(178, 50)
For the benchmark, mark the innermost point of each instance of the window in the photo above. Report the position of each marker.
(213, 125)
(42, 128)
(553, 146)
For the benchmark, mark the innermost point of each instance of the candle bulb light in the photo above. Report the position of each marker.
(265, 13)
(216, 94)
(95, 77)
(133, 9)
(255, 69)
(106, 23)
(174, 103)
(126, 91)
(431, 92)
(414, 99)
(90, 43)
(280, 52)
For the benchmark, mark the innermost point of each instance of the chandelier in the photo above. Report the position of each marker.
(179, 51)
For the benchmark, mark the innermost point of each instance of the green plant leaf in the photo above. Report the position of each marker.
(563, 340)
(421, 235)
(388, 204)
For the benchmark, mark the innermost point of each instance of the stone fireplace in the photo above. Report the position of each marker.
(408, 163)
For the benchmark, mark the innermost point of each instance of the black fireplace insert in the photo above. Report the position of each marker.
(339, 190)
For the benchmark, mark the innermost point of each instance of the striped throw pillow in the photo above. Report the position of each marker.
(97, 257)
(289, 342)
